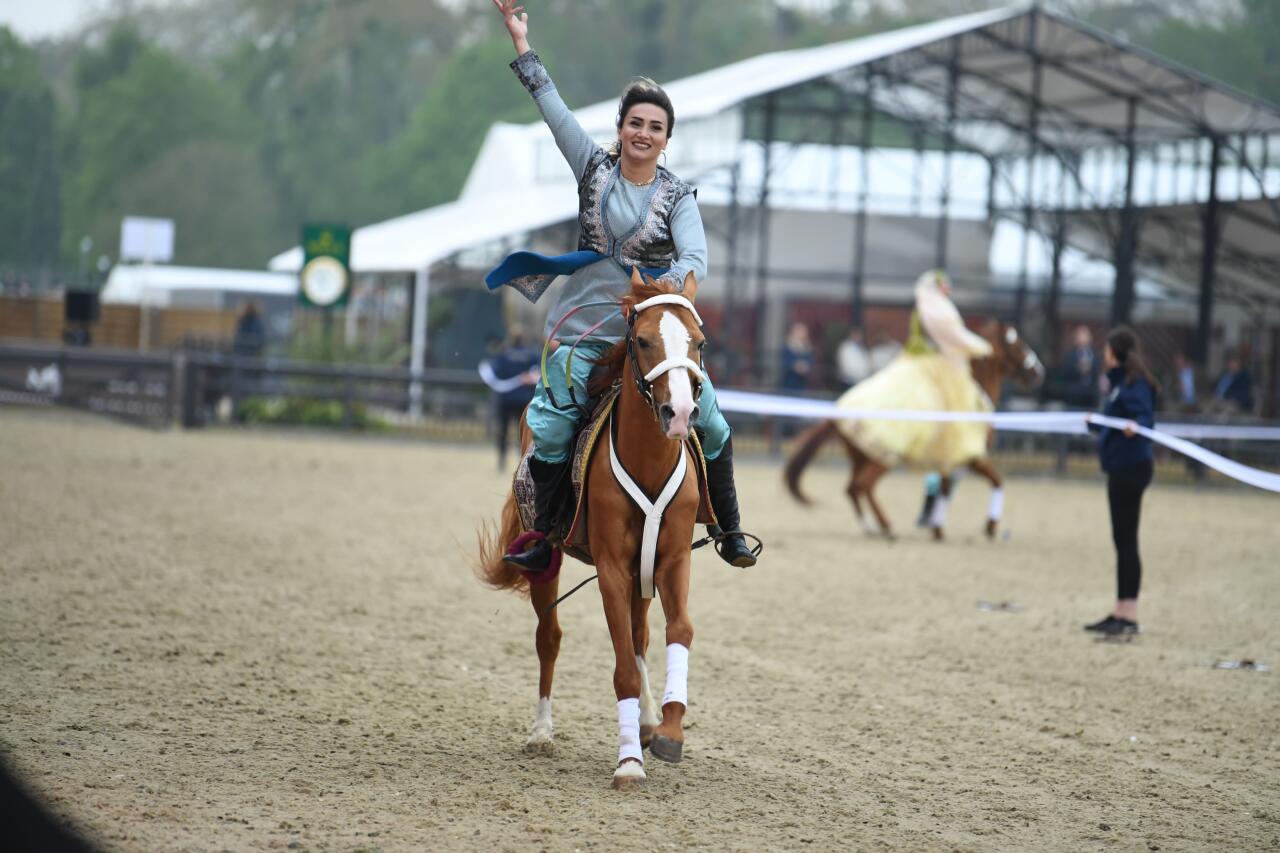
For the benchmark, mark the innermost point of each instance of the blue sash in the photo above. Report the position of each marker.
(532, 273)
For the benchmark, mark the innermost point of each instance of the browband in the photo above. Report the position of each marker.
(669, 299)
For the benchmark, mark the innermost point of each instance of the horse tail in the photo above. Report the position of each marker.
(806, 447)
(492, 570)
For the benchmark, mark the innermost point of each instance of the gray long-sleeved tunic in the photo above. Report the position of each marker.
(608, 279)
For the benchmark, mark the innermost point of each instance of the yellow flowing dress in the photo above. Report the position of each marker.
(924, 379)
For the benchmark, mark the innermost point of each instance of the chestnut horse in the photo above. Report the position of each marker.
(1011, 358)
(659, 365)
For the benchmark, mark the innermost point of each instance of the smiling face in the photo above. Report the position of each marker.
(644, 134)
(669, 334)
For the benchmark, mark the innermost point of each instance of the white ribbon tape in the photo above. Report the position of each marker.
(1067, 423)
(500, 386)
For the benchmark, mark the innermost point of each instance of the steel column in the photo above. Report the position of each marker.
(762, 234)
(948, 145)
(1126, 243)
(1033, 151)
(728, 330)
(1210, 234)
(864, 197)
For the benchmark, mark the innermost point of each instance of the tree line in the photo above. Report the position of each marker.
(240, 119)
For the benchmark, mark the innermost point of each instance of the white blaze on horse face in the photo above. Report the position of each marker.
(675, 340)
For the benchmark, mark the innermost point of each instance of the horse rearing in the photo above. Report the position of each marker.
(659, 367)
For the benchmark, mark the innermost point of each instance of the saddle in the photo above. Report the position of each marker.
(571, 527)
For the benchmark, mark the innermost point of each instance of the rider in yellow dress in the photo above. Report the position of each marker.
(925, 377)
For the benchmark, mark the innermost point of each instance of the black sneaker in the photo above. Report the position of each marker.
(1113, 626)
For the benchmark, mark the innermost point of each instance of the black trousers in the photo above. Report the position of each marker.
(508, 416)
(1124, 493)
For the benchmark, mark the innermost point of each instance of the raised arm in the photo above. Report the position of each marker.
(574, 143)
(691, 242)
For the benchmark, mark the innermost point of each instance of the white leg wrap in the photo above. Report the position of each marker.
(939, 516)
(543, 719)
(648, 708)
(677, 675)
(996, 508)
(629, 730)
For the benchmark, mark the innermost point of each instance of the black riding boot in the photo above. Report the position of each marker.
(548, 489)
(724, 500)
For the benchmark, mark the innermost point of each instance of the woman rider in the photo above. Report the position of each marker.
(925, 378)
(631, 213)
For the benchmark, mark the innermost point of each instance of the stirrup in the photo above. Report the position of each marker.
(539, 564)
(745, 557)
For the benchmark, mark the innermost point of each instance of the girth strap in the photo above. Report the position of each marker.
(652, 512)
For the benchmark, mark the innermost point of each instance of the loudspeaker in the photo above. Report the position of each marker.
(80, 306)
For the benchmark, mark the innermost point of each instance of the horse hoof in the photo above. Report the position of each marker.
(630, 774)
(670, 751)
(540, 743)
(646, 735)
(937, 534)
(991, 530)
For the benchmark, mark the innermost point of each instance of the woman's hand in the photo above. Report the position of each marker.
(1130, 429)
(517, 21)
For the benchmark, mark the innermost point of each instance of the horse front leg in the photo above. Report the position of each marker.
(995, 509)
(640, 642)
(616, 589)
(672, 582)
(547, 640)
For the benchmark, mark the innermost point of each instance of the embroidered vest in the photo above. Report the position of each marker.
(650, 244)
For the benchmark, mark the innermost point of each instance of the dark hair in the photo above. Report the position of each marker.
(1123, 342)
(642, 90)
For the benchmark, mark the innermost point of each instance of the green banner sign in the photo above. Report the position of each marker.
(325, 279)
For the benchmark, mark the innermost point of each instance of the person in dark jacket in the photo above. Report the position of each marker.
(516, 369)
(1235, 386)
(1127, 459)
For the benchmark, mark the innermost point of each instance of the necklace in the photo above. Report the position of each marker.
(644, 184)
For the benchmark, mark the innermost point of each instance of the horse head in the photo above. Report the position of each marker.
(1014, 356)
(664, 348)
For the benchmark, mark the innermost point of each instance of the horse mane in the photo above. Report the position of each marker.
(609, 366)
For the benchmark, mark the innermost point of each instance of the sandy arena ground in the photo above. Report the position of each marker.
(260, 641)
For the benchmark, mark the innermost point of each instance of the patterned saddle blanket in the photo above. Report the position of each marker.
(572, 531)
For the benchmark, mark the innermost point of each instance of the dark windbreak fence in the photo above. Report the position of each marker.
(200, 388)
(214, 380)
(139, 388)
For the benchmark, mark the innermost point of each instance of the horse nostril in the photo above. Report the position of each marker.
(693, 417)
(666, 411)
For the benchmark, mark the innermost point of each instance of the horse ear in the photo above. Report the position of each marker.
(636, 280)
(690, 290)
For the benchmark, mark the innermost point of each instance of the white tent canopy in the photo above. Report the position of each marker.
(163, 286)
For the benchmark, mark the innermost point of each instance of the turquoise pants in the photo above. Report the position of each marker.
(553, 428)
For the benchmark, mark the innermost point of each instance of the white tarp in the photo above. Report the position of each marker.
(155, 284)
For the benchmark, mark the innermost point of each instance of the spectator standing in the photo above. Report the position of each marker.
(516, 369)
(1126, 458)
(1234, 388)
(853, 362)
(250, 336)
(1080, 370)
(884, 350)
(1184, 383)
(797, 359)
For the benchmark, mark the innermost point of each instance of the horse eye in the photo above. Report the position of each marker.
(643, 343)
(702, 346)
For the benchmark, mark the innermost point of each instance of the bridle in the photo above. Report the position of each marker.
(644, 381)
(1029, 362)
